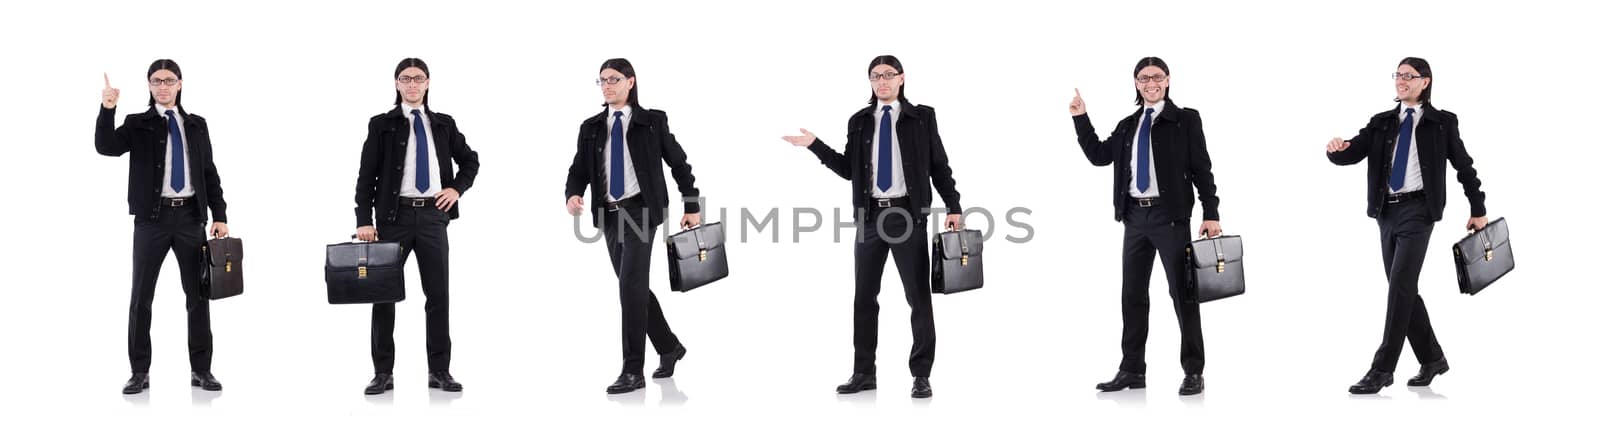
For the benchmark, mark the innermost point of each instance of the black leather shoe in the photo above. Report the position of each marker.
(669, 362)
(380, 383)
(920, 388)
(626, 383)
(136, 384)
(1372, 383)
(204, 380)
(1192, 384)
(858, 383)
(1430, 370)
(1123, 380)
(443, 380)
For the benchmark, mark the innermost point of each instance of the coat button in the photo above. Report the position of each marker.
(399, 167)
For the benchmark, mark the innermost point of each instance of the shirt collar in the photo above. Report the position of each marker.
(1414, 115)
(627, 112)
(162, 110)
(1158, 106)
(406, 109)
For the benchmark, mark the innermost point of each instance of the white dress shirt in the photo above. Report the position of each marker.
(1133, 184)
(408, 181)
(166, 177)
(1413, 166)
(897, 188)
(630, 186)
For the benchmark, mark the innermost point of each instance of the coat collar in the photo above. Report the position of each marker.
(1429, 113)
(1169, 112)
(907, 110)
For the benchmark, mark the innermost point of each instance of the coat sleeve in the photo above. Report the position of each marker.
(1360, 146)
(672, 153)
(466, 161)
(218, 205)
(1456, 152)
(577, 175)
(110, 140)
(367, 178)
(939, 166)
(1100, 153)
(1200, 168)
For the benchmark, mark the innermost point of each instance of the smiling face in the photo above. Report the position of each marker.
(164, 87)
(615, 87)
(1152, 84)
(886, 82)
(412, 85)
(1409, 84)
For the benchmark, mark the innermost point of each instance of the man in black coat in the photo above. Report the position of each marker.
(170, 178)
(618, 160)
(1160, 160)
(892, 154)
(1406, 149)
(407, 181)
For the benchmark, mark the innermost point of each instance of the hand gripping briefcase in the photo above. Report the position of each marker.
(222, 275)
(365, 272)
(695, 257)
(1483, 257)
(957, 261)
(1216, 267)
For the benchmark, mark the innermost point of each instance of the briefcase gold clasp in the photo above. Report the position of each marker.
(963, 260)
(1488, 255)
(702, 255)
(1220, 265)
(361, 272)
(228, 268)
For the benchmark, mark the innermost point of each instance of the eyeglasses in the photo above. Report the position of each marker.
(883, 76)
(608, 80)
(1406, 76)
(158, 82)
(412, 79)
(1148, 78)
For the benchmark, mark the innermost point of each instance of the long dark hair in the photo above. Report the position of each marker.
(408, 63)
(1423, 69)
(1147, 62)
(622, 66)
(168, 65)
(894, 63)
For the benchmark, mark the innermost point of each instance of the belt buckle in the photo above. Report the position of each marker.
(1396, 198)
(1145, 203)
(175, 202)
(612, 207)
(416, 203)
(885, 203)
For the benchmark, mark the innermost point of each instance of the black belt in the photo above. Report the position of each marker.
(880, 203)
(416, 202)
(632, 202)
(1395, 198)
(1144, 202)
(175, 202)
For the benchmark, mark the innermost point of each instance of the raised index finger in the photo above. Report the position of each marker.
(1076, 93)
(108, 79)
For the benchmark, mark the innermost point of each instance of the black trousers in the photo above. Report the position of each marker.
(1148, 231)
(906, 237)
(1404, 229)
(423, 230)
(181, 230)
(629, 235)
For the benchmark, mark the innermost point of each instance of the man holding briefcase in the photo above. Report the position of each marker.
(892, 154)
(408, 179)
(618, 160)
(1160, 157)
(1406, 149)
(171, 181)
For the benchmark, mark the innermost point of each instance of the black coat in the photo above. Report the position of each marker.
(145, 136)
(650, 142)
(1183, 166)
(1438, 139)
(383, 158)
(922, 158)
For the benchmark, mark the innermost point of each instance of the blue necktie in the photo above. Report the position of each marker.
(1402, 154)
(422, 151)
(177, 151)
(617, 179)
(885, 151)
(1143, 177)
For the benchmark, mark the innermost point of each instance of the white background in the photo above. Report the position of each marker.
(288, 86)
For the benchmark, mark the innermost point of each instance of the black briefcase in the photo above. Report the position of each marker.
(222, 275)
(365, 272)
(1483, 257)
(695, 257)
(1216, 267)
(957, 261)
